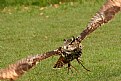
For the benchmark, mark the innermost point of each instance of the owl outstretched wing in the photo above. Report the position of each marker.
(14, 71)
(104, 15)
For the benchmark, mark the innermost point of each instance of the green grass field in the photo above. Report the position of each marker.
(32, 30)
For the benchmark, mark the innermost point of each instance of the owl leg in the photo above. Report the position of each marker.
(79, 61)
(69, 67)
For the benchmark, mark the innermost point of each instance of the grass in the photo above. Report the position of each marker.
(4, 3)
(31, 30)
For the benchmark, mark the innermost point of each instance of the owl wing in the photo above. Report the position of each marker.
(104, 15)
(13, 71)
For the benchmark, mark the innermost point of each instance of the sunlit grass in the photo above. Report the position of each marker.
(31, 30)
(4, 3)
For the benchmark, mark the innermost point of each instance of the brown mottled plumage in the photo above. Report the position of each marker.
(71, 50)
(17, 69)
(104, 15)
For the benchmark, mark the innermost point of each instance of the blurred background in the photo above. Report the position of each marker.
(4, 3)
